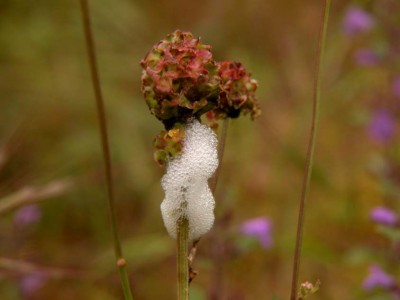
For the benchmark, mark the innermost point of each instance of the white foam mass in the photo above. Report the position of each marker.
(186, 182)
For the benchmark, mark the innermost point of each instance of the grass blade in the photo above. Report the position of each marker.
(121, 263)
(310, 150)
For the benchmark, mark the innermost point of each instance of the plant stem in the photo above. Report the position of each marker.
(310, 151)
(182, 259)
(121, 263)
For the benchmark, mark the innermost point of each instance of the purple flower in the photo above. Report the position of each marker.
(260, 228)
(396, 86)
(378, 278)
(381, 126)
(366, 57)
(27, 215)
(29, 284)
(384, 216)
(357, 21)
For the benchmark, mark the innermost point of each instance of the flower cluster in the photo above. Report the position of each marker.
(27, 216)
(384, 216)
(382, 126)
(181, 82)
(179, 79)
(259, 228)
(307, 289)
(357, 21)
(377, 278)
(237, 91)
(168, 144)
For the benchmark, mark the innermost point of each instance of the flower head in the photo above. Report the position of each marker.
(356, 21)
(378, 278)
(31, 283)
(307, 288)
(382, 126)
(384, 216)
(237, 91)
(366, 57)
(260, 228)
(179, 78)
(181, 82)
(27, 215)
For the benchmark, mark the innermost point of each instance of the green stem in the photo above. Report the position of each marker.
(121, 263)
(310, 151)
(182, 259)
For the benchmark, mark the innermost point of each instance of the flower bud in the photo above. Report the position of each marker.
(168, 144)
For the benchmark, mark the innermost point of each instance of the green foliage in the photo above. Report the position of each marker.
(49, 132)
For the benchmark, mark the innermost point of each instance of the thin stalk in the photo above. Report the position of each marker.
(310, 150)
(121, 263)
(30, 194)
(182, 259)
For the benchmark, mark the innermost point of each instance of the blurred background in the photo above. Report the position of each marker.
(55, 235)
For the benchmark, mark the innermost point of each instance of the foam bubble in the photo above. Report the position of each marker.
(186, 182)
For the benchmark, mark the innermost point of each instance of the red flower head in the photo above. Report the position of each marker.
(181, 82)
(179, 79)
(238, 91)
